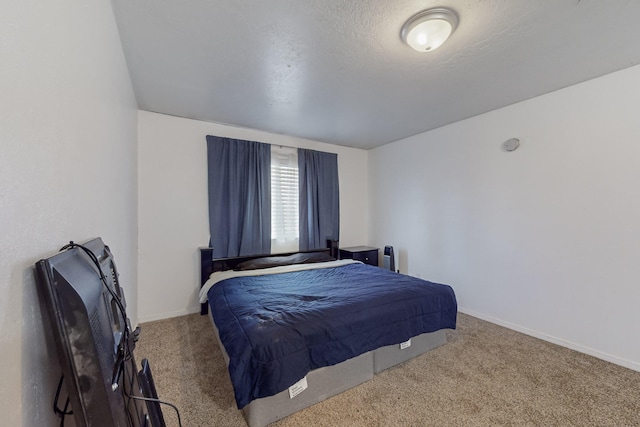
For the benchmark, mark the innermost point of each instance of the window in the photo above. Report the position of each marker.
(304, 205)
(284, 199)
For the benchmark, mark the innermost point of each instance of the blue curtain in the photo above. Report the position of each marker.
(239, 197)
(319, 198)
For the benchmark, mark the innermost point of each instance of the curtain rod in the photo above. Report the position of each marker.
(301, 148)
(274, 144)
(284, 146)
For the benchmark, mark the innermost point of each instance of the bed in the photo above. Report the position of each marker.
(298, 328)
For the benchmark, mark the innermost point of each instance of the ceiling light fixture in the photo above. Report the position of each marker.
(429, 29)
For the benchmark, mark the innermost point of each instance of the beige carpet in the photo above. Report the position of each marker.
(486, 375)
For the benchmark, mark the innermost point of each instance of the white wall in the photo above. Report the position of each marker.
(68, 140)
(545, 239)
(173, 208)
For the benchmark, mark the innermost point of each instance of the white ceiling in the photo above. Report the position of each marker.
(337, 71)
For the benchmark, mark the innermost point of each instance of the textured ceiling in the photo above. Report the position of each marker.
(337, 71)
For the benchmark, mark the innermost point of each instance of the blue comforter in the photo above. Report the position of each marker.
(277, 328)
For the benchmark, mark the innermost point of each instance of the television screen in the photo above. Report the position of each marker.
(94, 341)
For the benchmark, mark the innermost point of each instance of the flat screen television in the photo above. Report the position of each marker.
(93, 337)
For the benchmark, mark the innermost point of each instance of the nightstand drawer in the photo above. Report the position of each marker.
(366, 254)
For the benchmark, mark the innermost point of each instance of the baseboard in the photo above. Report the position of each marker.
(162, 316)
(555, 340)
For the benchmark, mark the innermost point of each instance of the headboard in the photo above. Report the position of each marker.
(208, 264)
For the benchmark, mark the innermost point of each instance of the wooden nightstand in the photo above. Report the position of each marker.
(366, 254)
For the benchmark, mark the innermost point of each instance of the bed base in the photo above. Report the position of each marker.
(323, 383)
(332, 380)
(391, 355)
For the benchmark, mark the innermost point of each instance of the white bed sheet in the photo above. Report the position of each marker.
(219, 276)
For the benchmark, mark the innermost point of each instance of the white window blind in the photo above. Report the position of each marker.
(284, 199)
